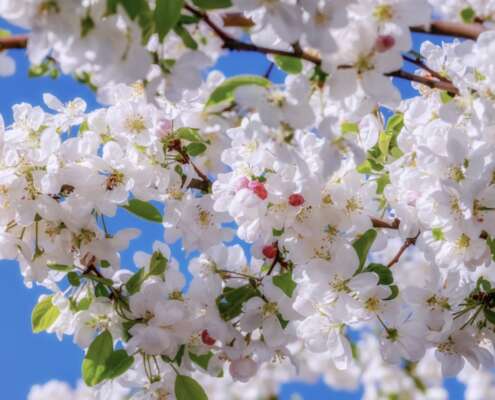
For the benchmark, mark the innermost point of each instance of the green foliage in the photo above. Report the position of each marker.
(195, 149)
(202, 359)
(60, 267)
(167, 14)
(384, 273)
(224, 94)
(212, 4)
(291, 65)
(158, 263)
(44, 315)
(230, 302)
(133, 285)
(102, 362)
(363, 246)
(285, 283)
(144, 210)
(186, 388)
(468, 15)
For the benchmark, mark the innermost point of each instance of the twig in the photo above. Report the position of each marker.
(456, 29)
(13, 42)
(408, 242)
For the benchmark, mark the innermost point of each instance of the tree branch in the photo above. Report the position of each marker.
(232, 43)
(408, 242)
(13, 42)
(456, 29)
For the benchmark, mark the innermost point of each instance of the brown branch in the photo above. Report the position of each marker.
(13, 42)
(378, 223)
(232, 43)
(456, 29)
(407, 243)
(431, 83)
(422, 65)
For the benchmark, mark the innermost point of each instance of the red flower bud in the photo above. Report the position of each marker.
(270, 251)
(384, 43)
(296, 199)
(207, 339)
(258, 189)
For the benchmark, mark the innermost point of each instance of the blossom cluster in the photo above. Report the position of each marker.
(296, 204)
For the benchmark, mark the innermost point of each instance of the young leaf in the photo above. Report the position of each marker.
(284, 281)
(167, 14)
(118, 363)
(144, 210)
(195, 149)
(468, 15)
(225, 92)
(44, 315)
(363, 245)
(202, 359)
(230, 302)
(384, 273)
(94, 366)
(212, 4)
(158, 263)
(186, 37)
(73, 278)
(134, 283)
(190, 134)
(186, 388)
(291, 65)
(60, 267)
(489, 315)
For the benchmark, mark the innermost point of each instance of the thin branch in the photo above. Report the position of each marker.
(407, 243)
(456, 29)
(431, 83)
(444, 28)
(422, 65)
(378, 223)
(13, 42)
(232, 43)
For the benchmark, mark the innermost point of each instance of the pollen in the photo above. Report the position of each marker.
(204, 218)
(456, 174)
(269, 309)
(383, 13)
(463, 241)
(135, 124)
(352, 205)
(372, 304)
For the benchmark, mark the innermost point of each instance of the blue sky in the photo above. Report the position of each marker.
(28, 359)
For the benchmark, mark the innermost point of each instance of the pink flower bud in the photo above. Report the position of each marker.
(164, 127)
(270, 251)
(242, 183)
(384, 43)
(259, 189)
(207, 339)
(243, 369)
(296, 199)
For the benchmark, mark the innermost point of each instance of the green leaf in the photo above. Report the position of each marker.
(186, 37)
(349, 127)
(118, 363)
(87, 25)
(167, 14)
(190, 134)
(158, 263)
(225, 92)
(44, 315)
(395, 123)
(98, 279)
(73, 278)
(381, 182)
(291, 65)
(60, 267)
(277, 232)
(195, 149)
(445, 97)
(134, 8)
(394, 294)
(202, 359)
(186, 388)
(363, 245)
(94, 366)
(384, 273)
(144, 210)
(489, 315)
(284, 281)
(230, 302)
(212, 4)
(4, 33)
(468, 15)
(133, 285)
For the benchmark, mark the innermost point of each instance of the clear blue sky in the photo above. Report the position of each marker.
(27, 359)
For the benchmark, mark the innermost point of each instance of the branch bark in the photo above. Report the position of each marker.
(13, 42)
(456, 29)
